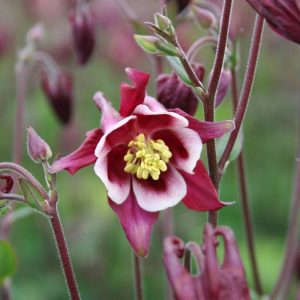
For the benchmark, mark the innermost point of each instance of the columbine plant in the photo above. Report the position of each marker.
(35, 196)
(148, 159)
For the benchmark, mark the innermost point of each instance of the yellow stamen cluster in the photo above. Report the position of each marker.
(146, 157)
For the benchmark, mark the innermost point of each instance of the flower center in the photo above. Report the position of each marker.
(146, 157)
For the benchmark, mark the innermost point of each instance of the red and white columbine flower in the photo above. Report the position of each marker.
(148, 159)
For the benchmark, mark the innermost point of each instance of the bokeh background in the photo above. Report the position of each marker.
(100, 252)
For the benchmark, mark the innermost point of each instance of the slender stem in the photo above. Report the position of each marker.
(198, 44)
(64, 256)
(21, 79)
(12, 197)
(245, 94)
(138, 282)
(26, 174)
(292, 238)
(209, 108)
(245, 202)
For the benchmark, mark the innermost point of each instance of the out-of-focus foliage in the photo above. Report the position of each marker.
(98, 247)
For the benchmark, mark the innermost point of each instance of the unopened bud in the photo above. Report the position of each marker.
(6, 183)
(223, 87)
(173, 93)
(35, 34)
(59, 92)
(164, 24)
(147, 43)
(37, 148)
(83, 28)
(205, 17)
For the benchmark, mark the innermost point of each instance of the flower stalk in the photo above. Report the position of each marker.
(245, 201)
(138, 281)
(209, 106)
(246, 90)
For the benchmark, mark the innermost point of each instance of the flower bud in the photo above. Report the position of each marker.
(83, 28)
(37, 148)
(224, 84)
(8, 185)
(147, 43)
(205, 17)
(173, 93)
(59, 92)
(35, 34)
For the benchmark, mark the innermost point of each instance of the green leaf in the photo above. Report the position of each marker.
(179, 69)
(32, 197)
(167, 48)
(237, 148)
(8, 260)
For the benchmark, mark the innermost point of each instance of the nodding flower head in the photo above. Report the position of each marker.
(281, 15)
(148, 159)
(82, 22)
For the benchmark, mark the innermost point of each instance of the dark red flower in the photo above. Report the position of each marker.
(83, 23)
(6, 183)
(173, 93)
(58, 90)
(282, 15)
(148, 159)
(219, 282)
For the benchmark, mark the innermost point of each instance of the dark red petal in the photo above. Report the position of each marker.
(201, 194)
(131, 96)
(81, 157)
(136, 222)
(149, 121)
(8, 185)
(206, 130)
(182, 283)
(110, 169)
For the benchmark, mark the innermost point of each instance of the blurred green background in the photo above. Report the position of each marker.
(100, 252)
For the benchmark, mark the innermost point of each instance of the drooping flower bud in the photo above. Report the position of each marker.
(6, 183)
(205, 17)
(37, 148)
(59, 92)
(83, 28)
(173, 93)
(224, 84)
(281, 15)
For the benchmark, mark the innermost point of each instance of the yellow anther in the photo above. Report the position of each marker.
(146, 157)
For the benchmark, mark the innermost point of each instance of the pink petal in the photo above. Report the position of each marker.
(131, 96)
(81, 157)
(120, 134)
(201, 194)
(136, 222)
(206, 130)
(149, 121)
(156, 195)
(110, 116)
(110, 169)
(154, 105)
(185, 145)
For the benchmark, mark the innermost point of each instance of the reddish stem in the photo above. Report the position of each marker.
(64, 256)
(245, 202)
(245, 94)
(209, 108)
(138, 282)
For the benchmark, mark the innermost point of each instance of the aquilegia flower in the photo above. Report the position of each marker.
(148, 159)
(213, 281)
(282, 16)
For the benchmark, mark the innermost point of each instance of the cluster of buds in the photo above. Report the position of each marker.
(225, 282)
